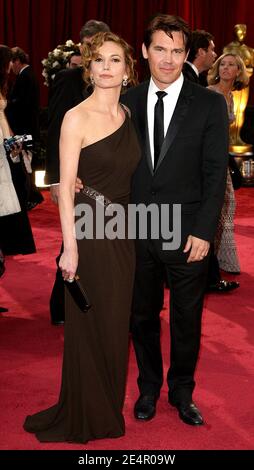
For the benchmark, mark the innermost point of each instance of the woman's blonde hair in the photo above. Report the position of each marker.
(241, 81)
(90, 52)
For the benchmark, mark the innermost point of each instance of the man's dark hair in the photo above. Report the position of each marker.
(168, 24)
(19, 54)
(199, 39)
(76, 53)
(93, 27)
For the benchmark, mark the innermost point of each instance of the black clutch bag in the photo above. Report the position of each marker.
(78, 294)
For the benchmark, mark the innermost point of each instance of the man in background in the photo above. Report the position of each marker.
(23, 113)
(74, 60)
(200, 58)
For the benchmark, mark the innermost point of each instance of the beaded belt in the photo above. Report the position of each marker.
(98, 197)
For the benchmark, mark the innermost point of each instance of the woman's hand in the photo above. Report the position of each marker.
(68, 264)
(78, 185)
(54, 193)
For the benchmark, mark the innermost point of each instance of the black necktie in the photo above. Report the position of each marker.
(158, 130)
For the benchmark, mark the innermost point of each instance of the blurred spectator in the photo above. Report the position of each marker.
(23, 112)
(15, 230)
(201, 57)
(74, 60)
(228, 74)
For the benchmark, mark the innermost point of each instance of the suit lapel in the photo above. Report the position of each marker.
(189, 73)
(142, 123)
(179, 114)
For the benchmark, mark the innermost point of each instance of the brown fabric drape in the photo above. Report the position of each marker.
(38, 26)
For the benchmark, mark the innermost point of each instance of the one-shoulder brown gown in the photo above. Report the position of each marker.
(96, 342)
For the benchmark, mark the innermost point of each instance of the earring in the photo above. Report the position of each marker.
(92, 80)
(125, 81)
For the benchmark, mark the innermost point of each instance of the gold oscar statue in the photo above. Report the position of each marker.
(240, 97)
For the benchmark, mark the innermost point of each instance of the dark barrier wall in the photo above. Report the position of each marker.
(38, 26)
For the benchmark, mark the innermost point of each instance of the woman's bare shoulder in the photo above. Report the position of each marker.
(81, 111)
(78, 118)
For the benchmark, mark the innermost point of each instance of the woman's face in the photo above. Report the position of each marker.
(108, 68)
(228, 68)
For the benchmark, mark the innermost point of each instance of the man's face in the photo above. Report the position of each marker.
(209, 56)
(16, 66)
(165, 57)
(75, 61)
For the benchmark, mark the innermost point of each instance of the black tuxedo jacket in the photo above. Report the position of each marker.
(191, 169)
(190, 74)
(68, 90)
(23, 104)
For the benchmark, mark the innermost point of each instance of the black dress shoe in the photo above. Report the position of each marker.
(223, 286)
(145, 407)
(57, 322)
(3, 309)
(188, 413)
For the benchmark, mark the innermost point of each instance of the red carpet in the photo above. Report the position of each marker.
(31, 353)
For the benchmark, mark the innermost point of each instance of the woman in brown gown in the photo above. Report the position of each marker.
(99, 144)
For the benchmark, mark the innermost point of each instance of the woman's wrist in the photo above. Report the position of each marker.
(71, 247)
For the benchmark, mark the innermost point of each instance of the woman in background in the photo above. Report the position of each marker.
(227, 74)
(9, 203)
(15, 230)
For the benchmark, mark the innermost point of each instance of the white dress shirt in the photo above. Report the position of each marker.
(169, 101)
(23, 68)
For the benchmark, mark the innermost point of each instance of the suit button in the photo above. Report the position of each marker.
(153, 193)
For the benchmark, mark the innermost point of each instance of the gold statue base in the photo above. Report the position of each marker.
(240, 149)
(245, 164)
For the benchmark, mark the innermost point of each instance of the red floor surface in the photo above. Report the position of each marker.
(31, 353)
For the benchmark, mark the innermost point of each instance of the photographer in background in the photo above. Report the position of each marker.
(23, 113)
(15, 231)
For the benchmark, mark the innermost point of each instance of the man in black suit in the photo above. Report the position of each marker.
(23, 111)
(23, 103)
(68, 90)
(200, 59)
(186, 166)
